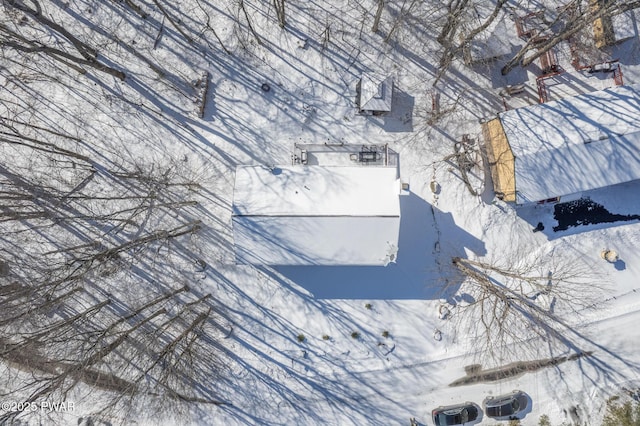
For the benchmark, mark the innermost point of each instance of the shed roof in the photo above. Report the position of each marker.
(375, 93)
(575, 144)
(315, 215)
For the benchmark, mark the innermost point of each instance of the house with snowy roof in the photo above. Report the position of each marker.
(565, 147)
(374, 94)
(317, 214)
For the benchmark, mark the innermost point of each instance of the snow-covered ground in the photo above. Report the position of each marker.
(375, 350)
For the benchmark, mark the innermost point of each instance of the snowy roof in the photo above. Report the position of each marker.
(302, 215)
(575, 144)
(375, 93)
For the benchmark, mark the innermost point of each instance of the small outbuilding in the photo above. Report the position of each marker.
(316, 215)
(559, 148)
(374, 94)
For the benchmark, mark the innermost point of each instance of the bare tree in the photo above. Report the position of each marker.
(573, 18)
(278, 5)
(404, 11)
(243, 9)
(455, 10)
(173, 22)
(98, 266)
(378, 15)
(133, 6)
(510, 305)
(65, 318)
(147, 353)
(450, 38)
(208, 27)
(88, 56)
(94, 235)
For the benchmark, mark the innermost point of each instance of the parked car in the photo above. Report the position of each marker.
(455, 414)
(506, 405)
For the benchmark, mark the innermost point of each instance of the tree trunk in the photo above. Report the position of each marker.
(376, 20)
(280, 12)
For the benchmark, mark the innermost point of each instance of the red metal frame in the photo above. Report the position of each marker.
(543, 96)
(617, 76)
(435, 102)
(521, 24)
(542, 88)
(519, 28)
(549, 62)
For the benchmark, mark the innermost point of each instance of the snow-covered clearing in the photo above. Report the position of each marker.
(335, 345)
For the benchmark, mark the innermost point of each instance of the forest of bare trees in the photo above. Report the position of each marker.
(94, 290)
(98, 287)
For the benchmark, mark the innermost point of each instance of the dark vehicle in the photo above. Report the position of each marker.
(506, 405)
(454, 414)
